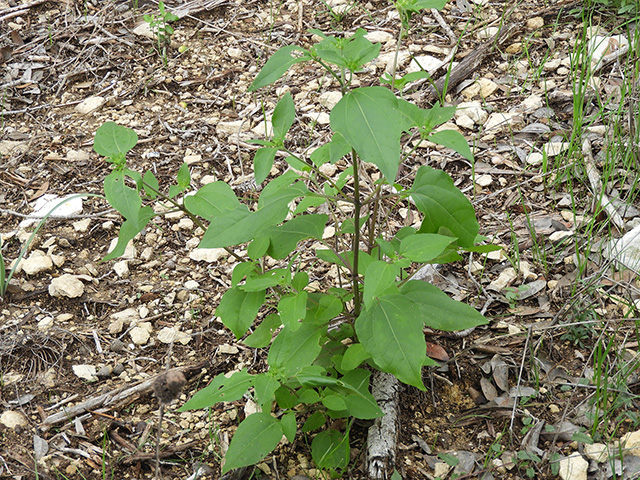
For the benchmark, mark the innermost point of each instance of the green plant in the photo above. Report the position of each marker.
(159, 25)
(339, 12)
(322, 344)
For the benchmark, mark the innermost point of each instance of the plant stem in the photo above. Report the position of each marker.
(356, 236)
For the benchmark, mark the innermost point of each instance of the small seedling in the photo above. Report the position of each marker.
(159, 25)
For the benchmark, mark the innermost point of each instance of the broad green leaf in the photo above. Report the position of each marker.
(331, 152)
(300, 280)
(392, 334)
(334, 402)
(378, 278)
(213, 200)
(221, 389)
(308, 202)
(437, 310)
(125, 200)
(322, 307)
(283, 117)
(350, 53)
(262, 163)
(256, 283)
(258, 247)
(282, 187)
(285, 398)
(353, 357)
(285, 237)
(128, 230)
(424, 247)
(330, 449)
(241, 270)
(369, 120)
(315, 421)
(240, 225)
(417, 5)
(400, 82)
(289, 426)
(425, 119)
(238, 309)
(254, 439)
(184, 177)
(443, 205)
(112, 139)
(291, 350)
(453, 140)
(308, 395)
(264, 387)
(278, 64)
(297, 164)
(293, 308)
(360, 402)
(261, 336)
(151, 180)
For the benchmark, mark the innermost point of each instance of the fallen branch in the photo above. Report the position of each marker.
(112, 398)
(383, 434)
(470, 63)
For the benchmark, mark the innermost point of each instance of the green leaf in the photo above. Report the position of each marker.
(125, 200)
(128, 230)
(151, 180)
(350, 53)
(262, 163)
(285, 237)
(272, 278)
(285, 398)
(353, 357)
(278, 64)
(582, 437)
(241, 270)
(238, 309)
(369, 120)
(417, 5)
(454, 140)
(315, 421)
(378, 278)
(392, 334)
(331, 152)
(184, 177)
(300, 280)
(261, 336)
(254, 439)
(240, 225)
(264, 387)
(437, 310)
(360, 402)
(258, 248)
(330, 449)
(424, 247)
(283, 116)
(112, 139)
(291, 350)
(221, 389)
(293, 308)
(400, 82)
(212, 200)
(322, 308)
(289, 426)
(334, 402)
(443, 206)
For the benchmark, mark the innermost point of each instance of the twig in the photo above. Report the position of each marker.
(445, 27)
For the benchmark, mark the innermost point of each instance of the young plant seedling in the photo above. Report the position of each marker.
(323, 342)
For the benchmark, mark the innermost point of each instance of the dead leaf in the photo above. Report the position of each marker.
(437, 352)
(41, 191)
(488, 390)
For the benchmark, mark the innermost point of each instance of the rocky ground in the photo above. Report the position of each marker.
(82, 341)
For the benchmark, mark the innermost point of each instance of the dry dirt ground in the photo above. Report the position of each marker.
(57, 352)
